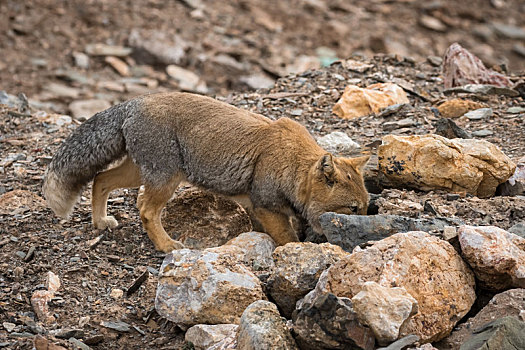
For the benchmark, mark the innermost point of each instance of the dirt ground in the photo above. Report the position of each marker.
(38, 39)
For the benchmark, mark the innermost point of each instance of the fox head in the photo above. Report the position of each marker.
(335, 185)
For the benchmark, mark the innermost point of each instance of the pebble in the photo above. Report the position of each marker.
(482, 133)
(516, 110)
(20, 254)
(519, 49)
(509, 31)
(296, 112)
(118, 65)
(8, 326)
(436, 61)
(118, 326)
(478, 114)
(78, 344)
(81, 60)
(84, 109)
(107, 50)
(432, 23)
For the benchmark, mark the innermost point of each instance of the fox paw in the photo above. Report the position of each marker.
(169, 246)
(105, 222)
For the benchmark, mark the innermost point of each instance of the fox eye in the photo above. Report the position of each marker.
(349, 177)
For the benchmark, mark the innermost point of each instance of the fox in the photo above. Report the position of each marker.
(274, 169)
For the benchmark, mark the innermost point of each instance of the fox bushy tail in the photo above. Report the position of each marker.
(90, 149)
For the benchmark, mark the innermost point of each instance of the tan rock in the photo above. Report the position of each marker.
(15, 200)
(429, 162)
(205, 287)
(257, 249)
(384, 310)
(428, 268)
(457, 107)
(201, 219)
(262, 328)
(204, 336)
(356, 102)
(496, 256)
(297, 269)
(118, 65)
(39, 302)
(85, 109)
(52, 282)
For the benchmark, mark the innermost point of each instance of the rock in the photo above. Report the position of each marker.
(203, 336)
(201, 219)
(41, 343)
(429, 162)
(516, 110)
(457, 107)
(515, 185)
(261, 327)
(257, 250)
(496, 256)
(52, 282)
(508, 303)
(509, 31)
(297, 269)
(118, 65)
(398, 124)
(356, 102)
(205, 287)
(187, 80)
(402, 343)
(51, 118)
(337, 141)
(478, 114)
(356, 66)
(107, 50)
(118, 326)
(433, 23)
(427, 267)
(447, 128)
(483, 89)
(81, 60)
(519, 49)
(460, 67)
(257, 81)
(84, 109)
(518, 229)
(504, 333)
(56, 90)
(326, 321)
(39, 302)
(384, 310)
(393, 109)
(349, 231)
(116, 293)
(8, 326)
(482, 133)
(436, 61)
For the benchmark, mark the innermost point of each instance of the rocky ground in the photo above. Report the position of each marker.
(47, 43)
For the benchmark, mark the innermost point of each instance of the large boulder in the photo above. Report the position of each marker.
(430, 162)
(205, 287)
(262, 328)
(496, 256)
(325, 321)
(428, 268)
(297, 269)
(201, 219)
(204, 336)
(507, 333)
(508, 303)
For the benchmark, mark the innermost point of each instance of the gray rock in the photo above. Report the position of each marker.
(478, 114)
(519, 49)
(257, 248)
(118, 326)
(337, 141)
(518, 229)
(482, 133)
(258, 81)
(392, 110)
(329, 322)
(154, 47)
(187, 80)
(261, 327)
(506, 333)
(436, 61)
(509, 31)
(81, 60)
(516, 110)
(349, 231)
(483, 89)
(398, 124)
(446, 127)
(77, 344)
(509, 303)
(402, 343)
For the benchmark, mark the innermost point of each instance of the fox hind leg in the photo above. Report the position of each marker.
(151, 204)
(125, 175)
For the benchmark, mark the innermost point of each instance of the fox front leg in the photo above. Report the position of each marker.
(277, 225)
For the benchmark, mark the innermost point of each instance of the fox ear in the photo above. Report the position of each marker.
(359, 162)
(326, 168)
